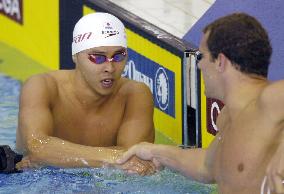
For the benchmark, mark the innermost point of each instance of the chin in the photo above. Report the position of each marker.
(105, 92)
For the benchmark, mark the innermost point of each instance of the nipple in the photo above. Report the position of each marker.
(241, 167)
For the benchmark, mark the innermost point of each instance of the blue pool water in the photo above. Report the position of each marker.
(80, 180)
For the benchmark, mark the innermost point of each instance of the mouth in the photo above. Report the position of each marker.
(107, 83)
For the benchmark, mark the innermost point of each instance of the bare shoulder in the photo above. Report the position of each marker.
(273, 93)
(45, 84)
(132, 87)
(40, 82)
(272, 99)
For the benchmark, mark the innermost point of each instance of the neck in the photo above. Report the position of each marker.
(242, 90)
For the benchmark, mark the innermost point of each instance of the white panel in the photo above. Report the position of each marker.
(193, 82)
(173, 16)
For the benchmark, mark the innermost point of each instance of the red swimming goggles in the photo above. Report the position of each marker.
(99, 59)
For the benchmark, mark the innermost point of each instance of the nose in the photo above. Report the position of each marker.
(108, 67)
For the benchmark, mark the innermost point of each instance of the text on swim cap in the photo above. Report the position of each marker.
(82, 37)
(109, 31)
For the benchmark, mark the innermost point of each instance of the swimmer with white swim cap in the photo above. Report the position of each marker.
(86, 116)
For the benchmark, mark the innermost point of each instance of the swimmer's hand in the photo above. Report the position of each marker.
(136, 165)
(139, 159)
(26, 162)
(275, 171)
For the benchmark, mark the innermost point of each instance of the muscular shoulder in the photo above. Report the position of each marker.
(276, 86)
(40, 81)
(131, 87)
(44, 85)
(136, 92)
(271, 99)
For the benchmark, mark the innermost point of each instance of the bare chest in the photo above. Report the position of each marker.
(98, 127)
(244, 149)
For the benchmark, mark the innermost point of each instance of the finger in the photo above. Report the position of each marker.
(148, 168)
(145, 170)
(132, 167)
(152, 167)
(25, 163)
(149, 171)
(140, 167)
(19, 166)
(133, 170)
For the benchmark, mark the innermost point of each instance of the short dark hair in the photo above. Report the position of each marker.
(243, 40)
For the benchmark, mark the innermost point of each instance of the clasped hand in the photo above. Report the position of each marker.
(139, 160)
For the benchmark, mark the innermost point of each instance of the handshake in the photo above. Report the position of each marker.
(139, 160)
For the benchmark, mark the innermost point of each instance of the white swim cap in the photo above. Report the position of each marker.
(98, 29)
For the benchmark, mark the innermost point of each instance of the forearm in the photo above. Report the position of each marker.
(57, 152)
(189, 162)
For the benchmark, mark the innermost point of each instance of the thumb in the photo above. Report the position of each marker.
(126, 156)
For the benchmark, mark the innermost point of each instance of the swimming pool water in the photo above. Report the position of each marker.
(9, 95)
(80, 180)
(98, 180)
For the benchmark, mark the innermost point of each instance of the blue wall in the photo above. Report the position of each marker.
(269, 12)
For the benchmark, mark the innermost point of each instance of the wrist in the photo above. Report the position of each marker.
(156, 150)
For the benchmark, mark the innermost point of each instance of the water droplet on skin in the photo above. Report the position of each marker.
(84, 162)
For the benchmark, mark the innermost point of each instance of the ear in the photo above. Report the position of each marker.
(222, 60)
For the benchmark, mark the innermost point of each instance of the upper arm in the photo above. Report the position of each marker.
(35, 118)
(137, 124)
